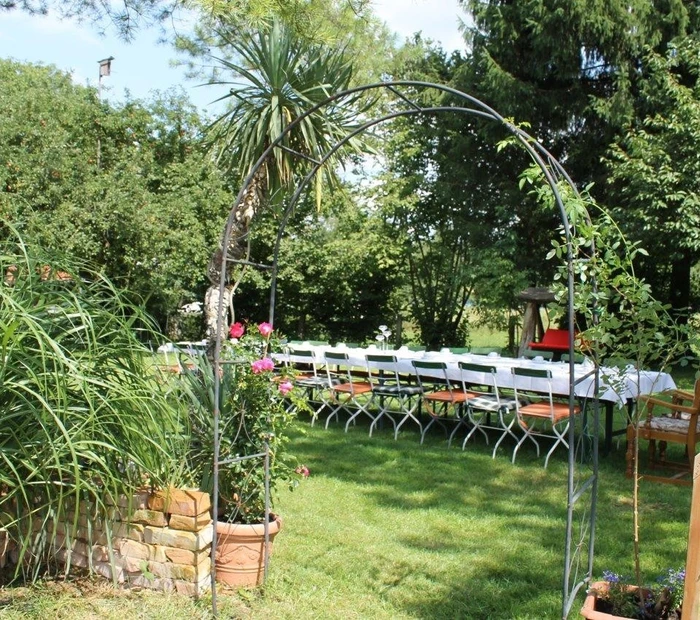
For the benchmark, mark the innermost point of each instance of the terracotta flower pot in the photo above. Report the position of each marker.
(240, 557)
(589, 605)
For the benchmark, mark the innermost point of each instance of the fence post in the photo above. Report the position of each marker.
(691, 591)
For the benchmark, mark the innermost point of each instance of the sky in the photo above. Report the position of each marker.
(144, 65)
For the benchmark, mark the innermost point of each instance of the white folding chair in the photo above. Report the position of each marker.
(344, 389)
(542, 413)
(309, 376)
(440, 397)
(487, 407)
(392, 394)
(170, 361)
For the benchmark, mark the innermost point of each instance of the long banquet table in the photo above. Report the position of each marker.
(618, 387)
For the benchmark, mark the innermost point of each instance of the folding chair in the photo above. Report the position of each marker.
(394, 395)
(307, 376)
(488, 409)
(344, 389)
(170, 362)
(542, 412)
(439, 396)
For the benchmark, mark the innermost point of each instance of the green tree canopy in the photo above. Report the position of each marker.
(654, 168)
(128, 16)
(457, 215)
(580, 75)
(347, 24)
(148, 215)
(338, 272)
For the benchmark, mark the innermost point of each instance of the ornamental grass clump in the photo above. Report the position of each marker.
(82, 416)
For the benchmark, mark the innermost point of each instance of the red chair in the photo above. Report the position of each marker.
(554, 340)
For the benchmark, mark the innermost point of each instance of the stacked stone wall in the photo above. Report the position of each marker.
(159, 540)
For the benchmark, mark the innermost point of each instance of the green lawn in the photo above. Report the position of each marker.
(385, 529)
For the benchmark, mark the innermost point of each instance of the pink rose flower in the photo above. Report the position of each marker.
(265, 329)
(303, 470)
(285, 388)
(265, 364)
(236, 330)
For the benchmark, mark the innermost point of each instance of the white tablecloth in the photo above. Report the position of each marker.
(616, 386)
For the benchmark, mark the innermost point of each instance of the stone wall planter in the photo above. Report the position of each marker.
(159, 540)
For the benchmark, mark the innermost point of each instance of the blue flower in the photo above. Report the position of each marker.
(611, 577)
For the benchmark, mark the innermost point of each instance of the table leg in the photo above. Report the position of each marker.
(607, 439)
(607, 442)
(609, 432)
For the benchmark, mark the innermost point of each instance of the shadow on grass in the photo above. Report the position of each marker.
(485, 538)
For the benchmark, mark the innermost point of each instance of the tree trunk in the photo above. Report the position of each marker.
(245, 209)
(398, 330)
(211, 306)
(680, 293)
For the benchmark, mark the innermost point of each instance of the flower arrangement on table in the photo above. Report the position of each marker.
(383, 336)
(661, 600)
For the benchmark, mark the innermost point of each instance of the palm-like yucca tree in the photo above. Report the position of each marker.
(277, 78)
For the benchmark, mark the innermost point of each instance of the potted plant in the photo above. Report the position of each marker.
(616, 597)
(257, 404)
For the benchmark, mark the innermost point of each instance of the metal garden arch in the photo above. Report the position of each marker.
(581, 485)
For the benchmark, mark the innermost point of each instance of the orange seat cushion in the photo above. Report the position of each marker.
(445, 396)
(352, 388)
(542, 410)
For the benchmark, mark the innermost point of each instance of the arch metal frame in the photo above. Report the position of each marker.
(554, 173)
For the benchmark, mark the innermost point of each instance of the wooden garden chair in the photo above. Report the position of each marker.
(347, 393)
(487, 408)
(310, 376)
(678, 423)
(393, 394)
